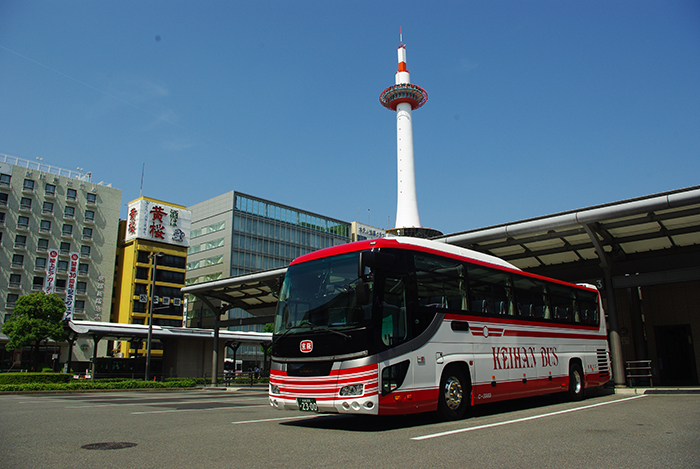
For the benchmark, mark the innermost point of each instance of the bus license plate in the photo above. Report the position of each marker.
(307, 404)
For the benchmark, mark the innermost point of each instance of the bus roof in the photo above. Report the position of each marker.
(405, 242)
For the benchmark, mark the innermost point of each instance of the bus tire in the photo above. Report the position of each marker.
(577, 381)
(454, 394)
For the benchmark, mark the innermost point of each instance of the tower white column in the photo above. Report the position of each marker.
(406, 200)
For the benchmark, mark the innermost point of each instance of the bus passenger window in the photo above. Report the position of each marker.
(531, 297)
(490, 291)
(440, 283)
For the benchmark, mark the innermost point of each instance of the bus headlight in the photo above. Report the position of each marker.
(352, 390)
(274, 389)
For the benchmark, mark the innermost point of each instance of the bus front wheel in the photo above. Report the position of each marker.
(454, 394)
(576, 382)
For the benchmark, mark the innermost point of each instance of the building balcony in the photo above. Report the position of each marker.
(17, 265)
(20, 246)
(37, 287)
(14, 285)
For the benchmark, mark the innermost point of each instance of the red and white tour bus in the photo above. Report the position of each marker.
(405, 325)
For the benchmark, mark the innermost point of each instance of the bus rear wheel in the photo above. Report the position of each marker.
(576, 382)
(454, 395)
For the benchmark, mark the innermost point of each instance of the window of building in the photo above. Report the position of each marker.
(17, 260)
(3, 199)
(139, 289)
(45, 226)
(42, 244)
(2, 218)
(65, 248)
(40, 263)
(50, 190)
(28, 185)
(62, 266)
(71, 194)
(47, 207)
(25, 203)
(142, 257)
(81, 288)
(67, 229)
(84, 251)
(170, 277)
(89, 215)
(5, 179)
(20, 241)
(60, 285)
(142, 273)
(87, 233)
(83, 269)
(23, 222)
(11, 299)
(91, 198)
(79, 306)
(69, 212)
(15, 280)
(168, 260)
(38, 283)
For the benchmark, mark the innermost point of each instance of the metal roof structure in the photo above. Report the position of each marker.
(645, 238)
(124, 331)
(253, 293)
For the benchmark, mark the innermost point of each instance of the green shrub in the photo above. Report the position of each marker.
(22, 378)
(97, 384)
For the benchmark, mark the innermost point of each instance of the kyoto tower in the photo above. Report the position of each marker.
(403, 98)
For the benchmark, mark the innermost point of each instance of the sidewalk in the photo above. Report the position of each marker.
(658, 390)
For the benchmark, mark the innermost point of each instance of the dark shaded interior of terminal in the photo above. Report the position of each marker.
(643, 254)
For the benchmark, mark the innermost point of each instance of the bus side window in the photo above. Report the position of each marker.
(490, 292)
(531, 298)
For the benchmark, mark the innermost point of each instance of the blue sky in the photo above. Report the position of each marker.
(534, 107)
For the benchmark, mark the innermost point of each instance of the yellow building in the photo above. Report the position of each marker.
(155, 232)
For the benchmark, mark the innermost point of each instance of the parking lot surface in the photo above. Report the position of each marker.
(218, 428)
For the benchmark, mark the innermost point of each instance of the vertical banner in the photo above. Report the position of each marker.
(50, 281)
(70, 285)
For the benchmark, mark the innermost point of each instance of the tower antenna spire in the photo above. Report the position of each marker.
(400, 36)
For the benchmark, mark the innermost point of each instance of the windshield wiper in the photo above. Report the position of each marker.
(313, 328)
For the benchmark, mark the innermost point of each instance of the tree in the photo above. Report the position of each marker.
(37, 317)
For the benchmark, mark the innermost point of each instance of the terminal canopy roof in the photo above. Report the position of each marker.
(651, 239)
(128, 331)
(254, 293)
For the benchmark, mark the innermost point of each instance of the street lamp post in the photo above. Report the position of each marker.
(155, 257)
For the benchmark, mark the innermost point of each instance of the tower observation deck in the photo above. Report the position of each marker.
(403, 97)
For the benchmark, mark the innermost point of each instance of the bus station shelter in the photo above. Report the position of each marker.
(187, 352)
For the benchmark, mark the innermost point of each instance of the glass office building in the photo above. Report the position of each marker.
(235, 234)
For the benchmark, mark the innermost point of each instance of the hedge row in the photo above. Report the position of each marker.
(33, 378)
(97, 384)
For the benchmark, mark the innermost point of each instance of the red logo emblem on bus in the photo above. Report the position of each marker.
(306, 346)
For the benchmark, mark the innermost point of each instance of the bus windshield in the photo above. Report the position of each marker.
(324, 294)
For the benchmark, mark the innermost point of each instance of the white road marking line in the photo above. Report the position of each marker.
(534, 417)
(163, 402)
(195, 410)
